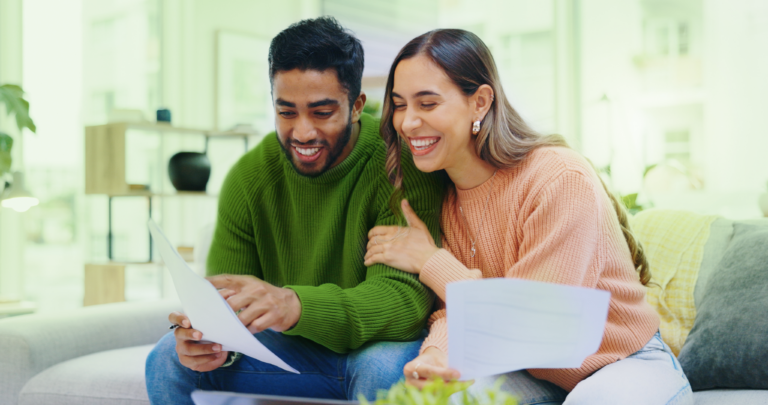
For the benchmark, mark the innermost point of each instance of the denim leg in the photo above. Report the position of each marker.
(527, 389)
(168, 381)
(377, 365)
(322, 371)
(650, 376)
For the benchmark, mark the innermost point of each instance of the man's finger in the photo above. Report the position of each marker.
(226, 293)
(197, 349)
(228, 281)
(187, 334)
(413, 220)
(264, 322)
(251, 313)
(177, 318)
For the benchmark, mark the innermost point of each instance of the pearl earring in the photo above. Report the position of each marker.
(476, 127)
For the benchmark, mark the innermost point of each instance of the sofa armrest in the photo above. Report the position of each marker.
(30, 344)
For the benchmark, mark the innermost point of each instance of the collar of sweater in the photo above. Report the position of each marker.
(366, 144)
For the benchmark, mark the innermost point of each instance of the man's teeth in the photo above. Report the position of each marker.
(421, 144)
(307, 151)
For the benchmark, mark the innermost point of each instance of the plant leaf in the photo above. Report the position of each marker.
(13, 97)
(6, 143)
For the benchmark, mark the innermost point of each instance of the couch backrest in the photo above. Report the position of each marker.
(683, 250)
(30, 344)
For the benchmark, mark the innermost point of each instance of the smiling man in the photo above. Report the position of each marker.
(290, 242)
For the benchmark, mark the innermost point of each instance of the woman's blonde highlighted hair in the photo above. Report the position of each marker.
(504, 139)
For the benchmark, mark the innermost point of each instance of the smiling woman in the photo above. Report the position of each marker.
(523, 205)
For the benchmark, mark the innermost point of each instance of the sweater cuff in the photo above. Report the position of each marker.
(438, 337)
(315, 316)
(443, 268)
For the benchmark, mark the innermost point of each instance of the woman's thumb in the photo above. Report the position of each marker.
(410, 215)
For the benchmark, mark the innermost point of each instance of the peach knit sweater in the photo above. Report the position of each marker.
(548, 219)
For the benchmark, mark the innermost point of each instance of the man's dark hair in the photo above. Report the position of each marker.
(319, 44)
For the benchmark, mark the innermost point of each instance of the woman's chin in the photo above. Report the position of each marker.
(426, 165)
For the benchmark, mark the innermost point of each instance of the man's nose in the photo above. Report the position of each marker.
(304, 131)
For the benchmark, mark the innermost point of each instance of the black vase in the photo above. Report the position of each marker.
(189, 171)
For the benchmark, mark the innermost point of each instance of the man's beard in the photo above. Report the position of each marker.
(333, 153)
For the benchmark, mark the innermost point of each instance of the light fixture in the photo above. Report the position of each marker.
(16, 197)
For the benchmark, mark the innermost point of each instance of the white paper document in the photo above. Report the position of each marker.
(207, 310)
(500, 325)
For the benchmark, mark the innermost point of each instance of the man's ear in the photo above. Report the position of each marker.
(357, 108)
(481, 101)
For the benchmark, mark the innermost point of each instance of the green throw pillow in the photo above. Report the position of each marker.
(728, 345)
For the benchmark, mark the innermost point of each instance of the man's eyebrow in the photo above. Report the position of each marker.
(419, 94)
(284, 103)
(322, 103)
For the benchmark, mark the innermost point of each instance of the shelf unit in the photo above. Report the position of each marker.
(105, 174)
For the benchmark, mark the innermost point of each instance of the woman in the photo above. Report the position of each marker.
(524, 206)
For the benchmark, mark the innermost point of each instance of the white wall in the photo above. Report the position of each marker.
(736, 61)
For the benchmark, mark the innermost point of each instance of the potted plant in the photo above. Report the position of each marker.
(15, 105)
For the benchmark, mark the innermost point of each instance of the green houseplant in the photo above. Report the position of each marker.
(437, 392)
(12, 96)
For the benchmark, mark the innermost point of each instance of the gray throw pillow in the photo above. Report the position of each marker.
(728, 345)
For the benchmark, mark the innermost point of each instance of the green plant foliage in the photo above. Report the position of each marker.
(437, 392)
(373, 108)
(630, 201)
(6, 142)
(13, 97)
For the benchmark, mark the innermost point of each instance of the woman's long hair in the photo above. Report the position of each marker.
(504, 139)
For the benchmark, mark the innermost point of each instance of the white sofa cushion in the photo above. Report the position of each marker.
(110, 377)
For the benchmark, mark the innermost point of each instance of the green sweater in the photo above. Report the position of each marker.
(310, 235)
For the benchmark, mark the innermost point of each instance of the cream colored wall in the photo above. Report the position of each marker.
(736, 58)
(188, 50)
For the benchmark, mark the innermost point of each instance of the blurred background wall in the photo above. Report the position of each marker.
(666, 97)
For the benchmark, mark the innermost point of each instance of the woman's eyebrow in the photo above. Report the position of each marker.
(426, 93)
(419, 94)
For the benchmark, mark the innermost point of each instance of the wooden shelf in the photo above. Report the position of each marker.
(135, 193)
(105, 155)
(161, 127)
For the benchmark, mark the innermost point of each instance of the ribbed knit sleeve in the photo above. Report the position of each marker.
(389, 304)
(233, 250)
(443, 268)
(309, 234)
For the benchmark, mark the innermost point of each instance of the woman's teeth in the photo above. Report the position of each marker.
(307, 151)
(422, 144)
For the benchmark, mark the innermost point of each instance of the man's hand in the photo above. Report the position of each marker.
(263, 305)
(193, 355)
(433, 362)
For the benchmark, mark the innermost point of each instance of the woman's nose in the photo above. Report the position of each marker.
(411, 121)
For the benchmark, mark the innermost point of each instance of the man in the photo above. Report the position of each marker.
(291, 236)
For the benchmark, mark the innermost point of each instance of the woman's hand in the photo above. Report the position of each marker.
(433, 362)
(406, 249)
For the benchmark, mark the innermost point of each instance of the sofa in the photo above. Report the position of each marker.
(96, 355)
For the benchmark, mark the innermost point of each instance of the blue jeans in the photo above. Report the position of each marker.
(324, 373)
(650, 376)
